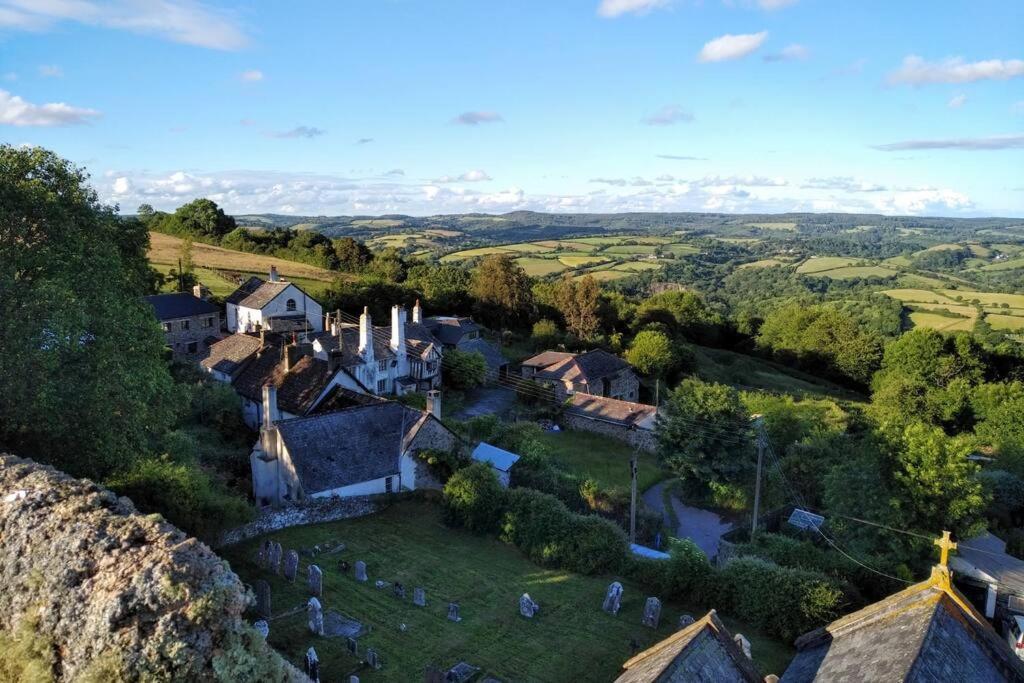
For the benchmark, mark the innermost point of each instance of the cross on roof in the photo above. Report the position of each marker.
(946, 544)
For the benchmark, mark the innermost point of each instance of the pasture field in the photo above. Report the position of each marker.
(763, 263)
(378, 222)
(470, 253)
(988, 298)
(440, 232)
(603, 275)
(604, 460)
(630, 249)
(636, 266)
(1000, 321)
(578, 261)
(918, 295)
(819, 264)
(539, 267)
(942, 323)
(898, 261)
(848, 272)
(1009, 264)
(681, 249)
(166, 249)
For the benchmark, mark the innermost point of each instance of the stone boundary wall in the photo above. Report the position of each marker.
(310, 511)
(114, 595)
(642, 439)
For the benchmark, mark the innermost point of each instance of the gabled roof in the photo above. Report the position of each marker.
(928, 632)
(257, 292)
(492, 356)
(547, 358)
(350, 446)
(179, 305)
(297, 389)
(496, 457)
(342, 398)
(418, 339)
(986, 555)
(449, 329)
(625, 413)
(587, 368)
(703, 652)
(230, 353)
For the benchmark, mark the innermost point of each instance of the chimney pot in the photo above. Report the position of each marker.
(273, 274)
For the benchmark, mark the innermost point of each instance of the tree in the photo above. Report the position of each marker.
(683, 313)
(144, 213)
(200, 218)
(502, 289)
(651, 353)
(90, 391)
(464, 370)
(702, 434)
(352, 255)
(578, 302)
(474, 499)
(545, 334)
(185, 256)
(444, 288)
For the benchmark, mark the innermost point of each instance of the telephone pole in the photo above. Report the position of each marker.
(633, 467)
(762, 443)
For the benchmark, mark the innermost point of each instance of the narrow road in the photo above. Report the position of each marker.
(703, 527)
(488, 400)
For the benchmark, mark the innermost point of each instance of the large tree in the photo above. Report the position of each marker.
(502, 290)
(82, 383)
(652, 353)
(200, 218)
(579, 301)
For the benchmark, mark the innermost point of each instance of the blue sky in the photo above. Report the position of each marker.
(394, 106)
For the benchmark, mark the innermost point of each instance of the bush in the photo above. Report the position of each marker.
(473, 499)
(688, 569)
(464, 370)
(596, 545)
(538, 524)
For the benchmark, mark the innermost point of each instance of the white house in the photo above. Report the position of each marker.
(275, 305)
(362, 450)
(500, 460)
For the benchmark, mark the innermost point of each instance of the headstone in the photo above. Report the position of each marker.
(263, 555)
(419, 597)
(453, 612)
(262, 590)
(743, 643)
(315, 579)
(352, 645)
(263, 628)
(373, 659)
(402, 627)
(527, 607)
(343, 566)
(381, 584)
(360, 571)
(353, 679)
(312, 665)
(684, 621)
(275, 557)
(652, 612)
(291, 565)
(315, 616)
(463, 671)
(399, 591)
(613, 598)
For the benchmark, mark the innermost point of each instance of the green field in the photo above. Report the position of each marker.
(603, 275)
(819, 264)
(918, 295)
(602, 459)
(630, 249)
(773, 226)
(988, 298)
(1010, 264)
(577, 261)
(763, 263)
(941, 323)
(571, 639)
(1000, 321)
(539, 267)
(848, 272)
(748, 372)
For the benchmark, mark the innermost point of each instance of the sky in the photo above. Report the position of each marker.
(396, 106)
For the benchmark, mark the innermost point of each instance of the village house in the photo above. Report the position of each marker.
(626, 421)
(595, 372)
(274, 305)
(462, 334)
(190, 323)
(362, 450)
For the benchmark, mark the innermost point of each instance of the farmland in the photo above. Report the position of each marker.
(951, 310)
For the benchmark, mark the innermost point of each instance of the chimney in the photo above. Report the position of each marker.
(398, 335)
(201, 291)
(366, 335)
(291, 355)
(334, 361)
(327, 322)
(417, 312)
(434, 403)
(273, 274)
(336, 330)
(270, 414)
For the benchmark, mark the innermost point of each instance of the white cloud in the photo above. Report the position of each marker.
(957, 101)
(616, 8)
(299, 132)
(122, 185)
(182, 21)
(252, 75)
(668, 115)
(925, 201)
(790, 53)
(474, 176)
(917, 71)
(473, 118)
(1013, 141)
(844, 183)
(51, 71)
(14, 111)
(731, 46)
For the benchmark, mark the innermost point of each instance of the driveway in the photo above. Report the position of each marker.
(489, 400)
(703, 527)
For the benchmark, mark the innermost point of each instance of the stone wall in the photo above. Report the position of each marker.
(309, 511)
(116, 595)
(643, 439)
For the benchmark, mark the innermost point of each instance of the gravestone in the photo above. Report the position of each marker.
(527, 607)
(353, 679)
(275, 557)
(381, 584)
(373, 659)
(463, 671)
(419, 597)
(652, 612)
(263, 628)
(315, 617)
(312, 665)
(613, 598)
(399, 591)
(352, 645)
(361, 571)
(453, 612)
(262, 590)
(315, 579)
(291, 565)
(263, 555)
(684, 621)
(743, 643)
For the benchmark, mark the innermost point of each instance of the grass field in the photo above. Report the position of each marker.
(539, 267)
(165, 249)
(988, 298)
(630, 249)
(818, 264)
(1011, 264)
(571, 639)
(602, 459)
(1000, 321)
(941, 323)
(748, 372)
(603, 275)
(577, 261)
(763, 263)
(918, 295)
(773, 226)
(848, 272)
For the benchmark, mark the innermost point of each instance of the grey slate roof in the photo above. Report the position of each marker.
(987, 553)
(297, 389)
(928, 632)
(256, 292)
(612, 410)
(546, 358)
(449, 329)
(348, 343)
(492, 356)
(179, 305)
(349, 446)
(586, 368)
(230, 353)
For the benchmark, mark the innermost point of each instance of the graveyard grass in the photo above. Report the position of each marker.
(570, 639)
(601, 458)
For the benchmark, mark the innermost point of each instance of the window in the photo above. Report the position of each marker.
(472, 335)
(431, 365)
(207, 322)
(166, 326)
(382, 365)
(389, 485)
(184, 324)
(290, 305)
(382, 386)
(193, 347)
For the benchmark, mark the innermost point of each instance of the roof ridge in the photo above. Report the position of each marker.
(293, 420)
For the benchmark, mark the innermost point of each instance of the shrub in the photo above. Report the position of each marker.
(689, 571)
(474, 499)
(596, 545)
(538, 524)
(464, 370)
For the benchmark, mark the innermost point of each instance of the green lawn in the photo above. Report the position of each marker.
(571, 639)
(601, 458)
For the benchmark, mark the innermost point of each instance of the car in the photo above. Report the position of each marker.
(1015, 634)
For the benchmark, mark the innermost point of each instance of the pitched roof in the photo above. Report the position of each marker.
(928, 632)
(450, 329)
(612, 410)
(342, 398)
(179, 305)
(589, 367)
(230, 353)
(348, 343)
(418, 339)
(546, 358)
(350, 446)
(257, 292)
(498, 458)
(986, 554)
(703, 652)
(297, 389)
(492, 356)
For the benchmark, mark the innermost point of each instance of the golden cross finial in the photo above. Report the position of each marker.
(946, 544)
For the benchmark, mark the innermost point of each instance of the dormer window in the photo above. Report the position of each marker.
(290, 305)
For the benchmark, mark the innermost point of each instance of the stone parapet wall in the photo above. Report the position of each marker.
(309, 511)
(643, 439)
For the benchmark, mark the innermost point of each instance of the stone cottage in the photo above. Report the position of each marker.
(633, 423)
(190, 324)
(595, 372)
(274, 305)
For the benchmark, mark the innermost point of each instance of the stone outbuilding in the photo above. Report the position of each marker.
(190, 324)
(595, 372)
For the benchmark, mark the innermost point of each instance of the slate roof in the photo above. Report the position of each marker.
(350, 446)
(703, 652)
(179, 305)
(341, 398)
(492, 356)
(496, 457)
(613, 410)
(928, 632)
(418, 339)
(546, 358)
(256, 292)
(297, 389)
(230, 353)
(586, 368)
(987, 554)
(449, 329)
(348, 343)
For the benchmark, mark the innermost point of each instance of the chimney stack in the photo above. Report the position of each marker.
(201, 291)
(434, 403)
(291, 355)
(273, 274)
(398, 339)
(417, 312)
(270, 414)
(336, 330)
(366, 335)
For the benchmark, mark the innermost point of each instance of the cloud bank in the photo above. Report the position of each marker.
(14, 111)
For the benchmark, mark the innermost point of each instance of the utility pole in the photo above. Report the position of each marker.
(657, 391)
(762, 442)
(633, 467)
(181, 278)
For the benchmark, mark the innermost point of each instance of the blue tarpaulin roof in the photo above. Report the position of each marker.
(495, 457)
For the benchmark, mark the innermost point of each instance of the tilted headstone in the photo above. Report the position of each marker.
(684, 621)
(652, 612)
(743, 643)
(361, 571)
(275, 557)
(291, 565)
(527, 607)
(315, 579)
(373, 659)
(613, 598)
(398, 590)
(419, 597)
(352, 645)
(453, 612)
(315, 616)
(262, 590)
(312, 665)
(263, 628)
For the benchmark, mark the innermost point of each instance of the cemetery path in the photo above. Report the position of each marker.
(488, 400)
(703, 527)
